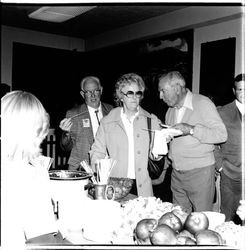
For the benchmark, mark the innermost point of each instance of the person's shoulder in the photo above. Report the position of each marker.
(202, 101)
(200, 98)
(148, 114)
(76, 109)
(113, 115)
(107, 106)
(227, 108)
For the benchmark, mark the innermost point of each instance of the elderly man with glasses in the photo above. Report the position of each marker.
(81, 123)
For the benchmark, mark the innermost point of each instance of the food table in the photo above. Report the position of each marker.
(112, 224)
(133, 210)
(113, 247)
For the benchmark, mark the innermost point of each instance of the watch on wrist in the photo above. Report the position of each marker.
(220, 169)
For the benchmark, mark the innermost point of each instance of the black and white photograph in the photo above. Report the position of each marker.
(122, 125)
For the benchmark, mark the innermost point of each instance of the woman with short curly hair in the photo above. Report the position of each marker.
(124, 137)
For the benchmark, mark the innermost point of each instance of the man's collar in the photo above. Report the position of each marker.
(188, 100)
(93, 109)
(240, 106)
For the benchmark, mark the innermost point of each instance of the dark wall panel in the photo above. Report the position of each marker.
(217, 70)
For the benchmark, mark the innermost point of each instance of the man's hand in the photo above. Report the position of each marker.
(184, 127)
(66, 124)
(169, 138)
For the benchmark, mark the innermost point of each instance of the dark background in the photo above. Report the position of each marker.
(54, 75)
(217, 70)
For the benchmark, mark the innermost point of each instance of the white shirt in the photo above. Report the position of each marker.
(129, 127)
(187, 104)
(93, 118)
(240, 106)
(27, 201)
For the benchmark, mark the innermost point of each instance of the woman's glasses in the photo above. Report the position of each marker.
(131, 94)
(93, 92)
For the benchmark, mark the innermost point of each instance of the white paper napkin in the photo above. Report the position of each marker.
(161, 138)
(160, 144)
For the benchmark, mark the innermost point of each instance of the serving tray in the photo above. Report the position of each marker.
(68, 175)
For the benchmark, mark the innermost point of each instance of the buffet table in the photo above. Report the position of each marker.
(90, 223)
(106, 247)
(133, 209)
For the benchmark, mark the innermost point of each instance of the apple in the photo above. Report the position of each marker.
(143, 230)
(208, 237)
(196, 221)
(163, 235)
(181, 214)
(143, 242)
(190, 241)
(187, 234)
(185, 240)
(171, 220)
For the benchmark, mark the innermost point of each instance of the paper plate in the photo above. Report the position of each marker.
(171, 132)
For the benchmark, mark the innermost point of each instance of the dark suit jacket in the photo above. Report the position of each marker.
(81, 137)
(229, 155)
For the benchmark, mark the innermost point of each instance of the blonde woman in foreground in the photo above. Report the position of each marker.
(26, 212)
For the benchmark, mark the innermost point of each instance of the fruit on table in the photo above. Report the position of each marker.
(185, 240)
(182, 215)
(144, 228)
(208, 237)
(171, 220)
(187, 234)
(163, 235)
(196, 221)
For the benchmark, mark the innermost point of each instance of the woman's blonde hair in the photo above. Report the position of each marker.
(25, 124)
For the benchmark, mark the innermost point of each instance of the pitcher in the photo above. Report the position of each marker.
(104, 192)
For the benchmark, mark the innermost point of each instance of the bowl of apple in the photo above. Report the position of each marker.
(169, 229)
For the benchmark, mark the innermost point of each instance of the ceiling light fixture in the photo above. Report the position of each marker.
(59, 14)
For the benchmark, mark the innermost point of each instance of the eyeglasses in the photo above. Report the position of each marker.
(131, 94)
(162, 90)
(93, 92)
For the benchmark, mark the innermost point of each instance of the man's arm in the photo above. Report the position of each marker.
(210, 129)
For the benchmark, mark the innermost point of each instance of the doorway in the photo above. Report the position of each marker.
(217, 70)
(52, 75)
